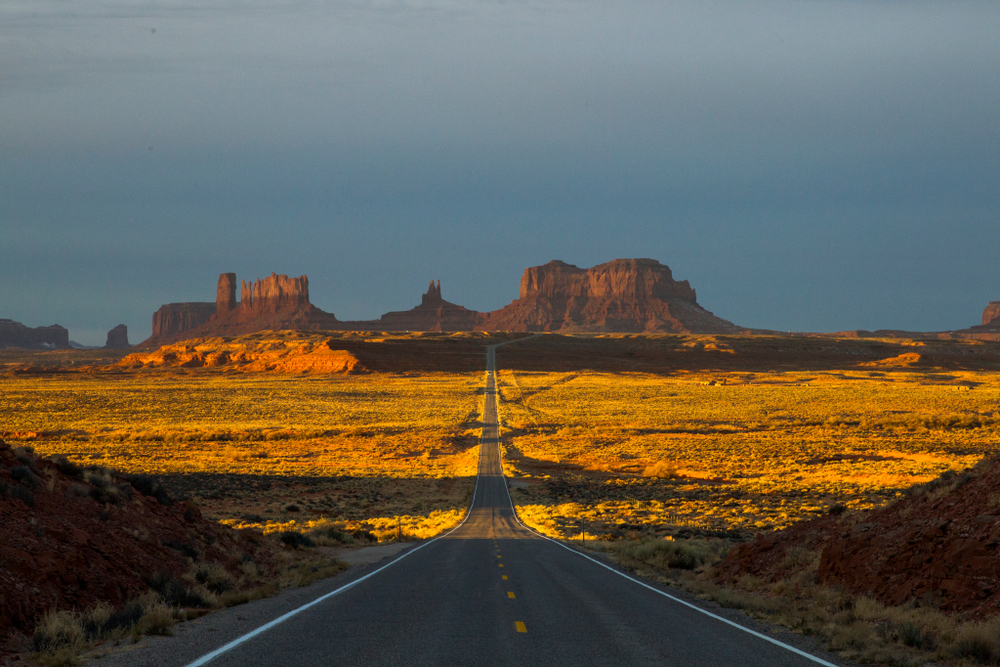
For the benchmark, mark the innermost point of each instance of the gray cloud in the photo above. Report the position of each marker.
(807, 165)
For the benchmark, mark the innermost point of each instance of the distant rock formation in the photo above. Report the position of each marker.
(433, 314)
(623, 295)
(273, 303)
(271, 295)
(118, 338)
(173, 319)
(15, 334)
(225, 293)
(433, 295)
(991, 316)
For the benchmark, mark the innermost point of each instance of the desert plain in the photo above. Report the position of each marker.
(617, 435)
(664, 451)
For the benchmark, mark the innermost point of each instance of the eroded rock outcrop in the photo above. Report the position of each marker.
(287, 353)
(991, 316)
(433, 314)
(15, 334)
(117, 338)
(624, 295)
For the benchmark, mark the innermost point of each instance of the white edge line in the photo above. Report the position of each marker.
(642, 583)
(208, 657)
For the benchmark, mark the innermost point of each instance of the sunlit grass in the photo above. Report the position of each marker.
(383, 449)
(620, 453)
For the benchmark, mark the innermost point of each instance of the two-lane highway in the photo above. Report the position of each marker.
(492, 592)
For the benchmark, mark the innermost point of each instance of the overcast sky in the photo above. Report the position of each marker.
(806, 165)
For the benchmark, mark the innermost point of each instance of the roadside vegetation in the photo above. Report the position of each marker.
(856, 627)
(64, 638)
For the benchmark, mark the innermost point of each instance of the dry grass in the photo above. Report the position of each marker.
(273, 452)
(632, 453)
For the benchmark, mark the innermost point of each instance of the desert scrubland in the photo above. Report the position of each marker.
(616, 454)
(369, 452)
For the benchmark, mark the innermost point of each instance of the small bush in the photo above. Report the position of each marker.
(295, 539)
(24, 475)
(114, 494)
(214, 577)
(68, 468)
(57, 630)
(364, 535)
(176, 594)
(157, 618)
(980, 642)
(914, 636)
(837, 510)
(187, 550)
(25, 454)
(148, 486)
(22, 494)
(292, 508)
(103, 620)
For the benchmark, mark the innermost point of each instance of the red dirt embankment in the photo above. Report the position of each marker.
(938, 545)
(73, 537)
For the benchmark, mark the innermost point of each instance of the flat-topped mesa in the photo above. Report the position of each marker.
(991, 316)
(176, 318)
(15, 334)
(272, 294)
(631, 279)
(624, 295)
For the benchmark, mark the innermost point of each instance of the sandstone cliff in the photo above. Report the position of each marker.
(15, 334)
(624, 295)
(117, 338)
(178, 318)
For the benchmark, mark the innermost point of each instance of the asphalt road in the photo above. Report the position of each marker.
(494, 593)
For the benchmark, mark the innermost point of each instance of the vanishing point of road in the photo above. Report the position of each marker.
(492, 592)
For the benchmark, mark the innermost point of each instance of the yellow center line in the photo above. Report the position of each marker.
(498, 556)
(520, 626)
(505, 577)
(500, 564)
(510, 594)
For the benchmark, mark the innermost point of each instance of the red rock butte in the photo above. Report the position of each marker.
(624, 295)
(991, 315)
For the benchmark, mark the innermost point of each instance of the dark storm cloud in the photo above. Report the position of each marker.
(807, 165)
